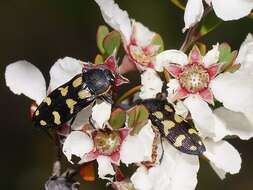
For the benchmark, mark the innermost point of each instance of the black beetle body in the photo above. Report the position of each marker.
(173, 127)
(66, 101)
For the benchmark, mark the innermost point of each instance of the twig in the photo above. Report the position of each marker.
(191, 36)
(128, 93)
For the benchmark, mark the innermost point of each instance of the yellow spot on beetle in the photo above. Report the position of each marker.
(48, 101)
(37, 113)
(77, 82)
(84, 94)
(178, 118)
(43, 123)
(179, 141)
(167, 124)
(158, 114)
(71, 103)
(192, 131)
(168, 108)
(57, 117)
(200, 143)
(193, 148)
(64, 91)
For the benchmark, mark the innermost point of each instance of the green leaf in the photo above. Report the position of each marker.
(137, 118)
(157, 40)
(101, 34)
(111, 42)
(209, 23)
(178, 3)
(118, 118)
(99, 59)
(225, 54)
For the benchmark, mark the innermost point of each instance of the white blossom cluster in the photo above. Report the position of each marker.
(197, 83)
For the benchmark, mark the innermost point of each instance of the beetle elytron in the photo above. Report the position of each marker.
(61, 105)
(173, 127)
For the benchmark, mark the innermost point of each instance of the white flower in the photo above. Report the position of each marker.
(138, 148)
(110, 146)
(234, 90)
(77, 143)
(172, 87)
(223, 157)
(151, 84)
(228, 122)
(137, 38)
(224, 9)
(24, 78)
(101, 113)
(245, 56)
(236, 118)
(174, 167)
(181, 109)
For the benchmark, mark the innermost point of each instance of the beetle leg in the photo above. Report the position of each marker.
(92, 123)
(161, 158)
(107, 98)
(72, 120)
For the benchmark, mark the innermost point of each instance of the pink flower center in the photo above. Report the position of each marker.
(194, 78)
(107, 142)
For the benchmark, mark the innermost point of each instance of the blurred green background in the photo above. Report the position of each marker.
(41, 31)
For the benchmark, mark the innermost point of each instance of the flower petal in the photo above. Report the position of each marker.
(207, 95)
(174, 70)
(195, 55)
(174, 167)
(201, 113)
(172, 90)
(151, 84)
(232, 9)
(105, 167)
(138, 148)
(101, 113)
(212, 56)
(213, 71)
(63, 70)
(170, 56)
(77, 144)
(223, 156)
(232, 123)
(234, 90)
(193, 13)
(116, 18)
(141, 34)
(181, 109)
(82, 118)
(245, 55)
(24, 78)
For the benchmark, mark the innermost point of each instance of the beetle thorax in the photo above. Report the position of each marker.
(99, 81)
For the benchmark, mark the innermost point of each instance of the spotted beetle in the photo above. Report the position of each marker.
(173, 127)
(62, 104)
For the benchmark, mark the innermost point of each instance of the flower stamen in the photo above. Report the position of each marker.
(194, 78)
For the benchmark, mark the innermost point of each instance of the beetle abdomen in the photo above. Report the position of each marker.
(173, 127)
(63, 103)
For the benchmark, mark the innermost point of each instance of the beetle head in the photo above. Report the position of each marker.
(110, 69)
